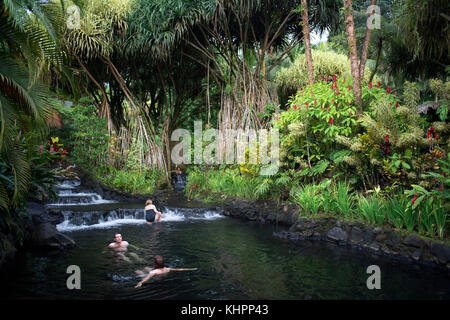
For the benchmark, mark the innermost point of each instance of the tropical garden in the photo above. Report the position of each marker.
(362, 117)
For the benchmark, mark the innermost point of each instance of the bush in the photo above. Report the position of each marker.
(87, 138)
(133, 181)
(315, 117)
(325, 63)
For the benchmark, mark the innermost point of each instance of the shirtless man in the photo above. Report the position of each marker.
(119, 245)
(159, 269)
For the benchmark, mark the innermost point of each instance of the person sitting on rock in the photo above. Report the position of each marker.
(151, 213)
(159, 269)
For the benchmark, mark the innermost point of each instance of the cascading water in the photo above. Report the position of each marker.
(179, 182)
(85, 210)
(68, 195)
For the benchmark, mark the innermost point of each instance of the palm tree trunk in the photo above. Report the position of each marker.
(351, 37)
(365, 48)
(306, 37)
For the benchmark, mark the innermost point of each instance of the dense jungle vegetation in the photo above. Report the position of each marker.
(102, 85)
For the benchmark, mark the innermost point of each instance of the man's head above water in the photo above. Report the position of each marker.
(118, 238)
(118, 242)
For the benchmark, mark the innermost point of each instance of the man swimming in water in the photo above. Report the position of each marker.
(159, 269)
(121, 246)
(151, 213)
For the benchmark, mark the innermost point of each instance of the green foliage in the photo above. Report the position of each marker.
(133, 181)
(371, 209)
(228, 182)
(309, 199)
(317, 116)
(326, 63)
(392, 145)
(88, 138)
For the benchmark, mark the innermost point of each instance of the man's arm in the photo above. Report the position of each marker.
(178, 269)
(134, 247)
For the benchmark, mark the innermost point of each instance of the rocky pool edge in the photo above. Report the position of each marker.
(388, 242)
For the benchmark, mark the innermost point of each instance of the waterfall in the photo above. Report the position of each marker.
(88, 210)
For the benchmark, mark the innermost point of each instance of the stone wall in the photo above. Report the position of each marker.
(381, 241)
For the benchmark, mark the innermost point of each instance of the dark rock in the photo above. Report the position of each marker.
(413, 241)
(7, 251)
(377, 230)
(356, 235)
(45, 236)
(381, 237)
(416, 255)
(337, 234)
(40, 214)
(368, 236)
(441, 251)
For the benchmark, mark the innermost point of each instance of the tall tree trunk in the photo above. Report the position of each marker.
(380, 47)
(306, 37)
(351, 37)
(365, 48)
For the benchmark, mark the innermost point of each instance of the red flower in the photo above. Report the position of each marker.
(349, 88)
(295, 107)
(344, 80)
(328, 109)
(388, 90)
(41, 147)
(277, 118)
(312, 94)
(396, 104)
(414, 198)
(442, 189)
(326, 79)
(429, 132)
(337, 92)
(370, 85)
(315, 101)
(332, 101)
(331, 121)
(386, 138)
(320, 78)
(436, 136)
(334, 78)
(378, 84)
